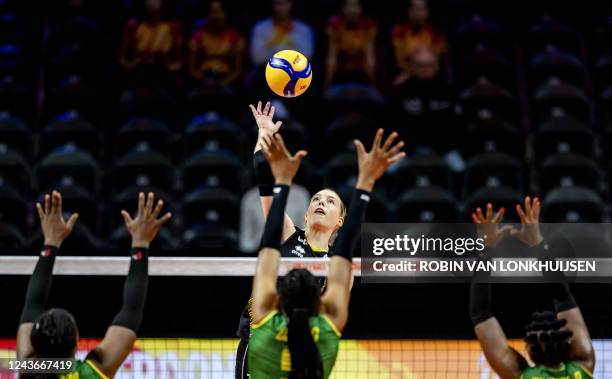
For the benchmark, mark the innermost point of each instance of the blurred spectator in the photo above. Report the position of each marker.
(151, 40)
(216, 50)
(414, 33)
(426, 101)
(350, 54)
(280, 32)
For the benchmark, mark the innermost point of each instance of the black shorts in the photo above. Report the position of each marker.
(242, 371)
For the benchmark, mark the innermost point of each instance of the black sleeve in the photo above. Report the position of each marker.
(349, 234)
(263, 174)
(273, 230)
(39, 285)
(134, 291)
(480, 297)
(557, 289)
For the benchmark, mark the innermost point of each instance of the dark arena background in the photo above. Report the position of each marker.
(495, 100)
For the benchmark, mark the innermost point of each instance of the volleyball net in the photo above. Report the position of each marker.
(172, 358)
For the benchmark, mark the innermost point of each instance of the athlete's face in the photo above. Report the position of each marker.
(325, 211)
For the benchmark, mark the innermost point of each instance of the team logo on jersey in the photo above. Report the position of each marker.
(299, 251)
(137, 256)
(302, 240)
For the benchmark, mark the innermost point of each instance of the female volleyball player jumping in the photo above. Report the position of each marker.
(54, 333)
(296, 330)
(558, 343)
(324, 217)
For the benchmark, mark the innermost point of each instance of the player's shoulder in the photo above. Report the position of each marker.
(575, 366)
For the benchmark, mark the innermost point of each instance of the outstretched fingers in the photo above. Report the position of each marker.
(389, 141)
(72, 220)
(377, 139)
(164, 218)
(127, 219)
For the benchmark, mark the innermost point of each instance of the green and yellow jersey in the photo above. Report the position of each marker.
(268, 355)
(568, 370)
(84, 370)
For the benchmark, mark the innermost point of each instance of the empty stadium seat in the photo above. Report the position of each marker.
(215, 239)
(344, 129)
(143, 130)
(68, 165)
(424, 172)
(483, 61)
(556, 96)
(13, 207)
(210, 131)
(11, 238)
(569, 170)
(144, 167)
(489, 134)
(426, 205)
(549, 31)
(14, 170)
(70, 128)
(341, 170)
(480, 30)
(572, 204)
(214, 205)
(493, 170)
(498, 197)
(15, 134)
(561, 135)
(487, 96)
(213, 169)
(555, 63)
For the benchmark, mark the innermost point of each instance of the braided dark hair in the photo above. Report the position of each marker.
(300, 297)
(548, 341)
(54, 334)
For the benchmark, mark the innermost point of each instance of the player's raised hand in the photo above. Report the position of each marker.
(284, 166)
(263, 118)
(54, 228)
(530, 222)
(488, 225)
(373, 163)
(145, 226)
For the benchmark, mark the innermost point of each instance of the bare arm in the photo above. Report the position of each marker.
(267, 127)
(264, 283)
(284, 166)
(121, 335)
(581, 347)
(372, 165)
(504, 360)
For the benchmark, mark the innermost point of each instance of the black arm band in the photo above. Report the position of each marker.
(134, 291)
(480, 296)
(263, 174)
(39, 285)
(274, 224)
(349, 234)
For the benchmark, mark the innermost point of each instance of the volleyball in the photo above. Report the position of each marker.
(288, 73)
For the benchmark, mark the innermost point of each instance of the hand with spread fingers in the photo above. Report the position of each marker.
(284, 166)
(54, 228)
(488, 225)
(530, 222)
(264, 119)
(145, 226)
(373, 163)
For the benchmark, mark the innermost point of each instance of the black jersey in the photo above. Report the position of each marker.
(296, 246)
